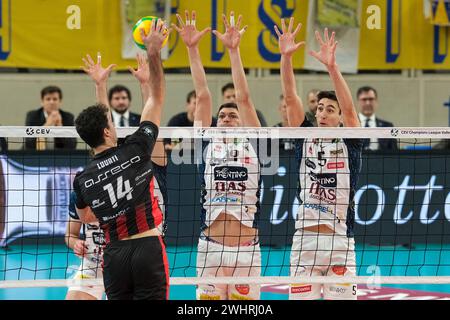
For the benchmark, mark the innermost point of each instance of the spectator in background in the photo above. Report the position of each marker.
(368, 104)
(120, 101)
(3, 145)
(50, 114)
(285, 144)
(229, 95)
(184, 119)
(313, 102)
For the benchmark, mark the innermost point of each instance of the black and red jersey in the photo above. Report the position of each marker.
(119, 186)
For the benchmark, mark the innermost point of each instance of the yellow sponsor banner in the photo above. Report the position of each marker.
(404, 39)
(259, 46)
(55, 34)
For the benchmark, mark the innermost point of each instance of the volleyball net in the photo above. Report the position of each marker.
(399, 219)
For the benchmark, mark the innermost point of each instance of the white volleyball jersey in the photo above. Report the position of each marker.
(230, 176)
(95, 241)
(328, 173)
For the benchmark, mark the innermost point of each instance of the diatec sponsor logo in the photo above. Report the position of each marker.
(243, 289)
(301, 289)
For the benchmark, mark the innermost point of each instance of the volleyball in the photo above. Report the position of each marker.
(145, 23)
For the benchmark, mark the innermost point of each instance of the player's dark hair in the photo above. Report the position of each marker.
(229, 85)
(90, 124)
(328, 95)
(366, 89)
(118, 88)
(190, 95)
(228, 105)
(51, 89)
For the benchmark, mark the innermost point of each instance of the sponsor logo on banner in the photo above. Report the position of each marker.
(335, 165)
(339, 270)
(231, 173)
(326, 180)
(301, 289)
(243, 289)
(310, 164)
(31, 131)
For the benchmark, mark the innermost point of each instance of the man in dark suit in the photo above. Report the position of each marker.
(120, 101)
(368, 104)
(50, 114)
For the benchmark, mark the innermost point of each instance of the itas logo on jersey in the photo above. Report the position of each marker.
(326, 180)
(231, 174)
(328, 195)
(222, 186)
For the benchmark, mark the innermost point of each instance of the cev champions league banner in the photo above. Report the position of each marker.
(56, 34)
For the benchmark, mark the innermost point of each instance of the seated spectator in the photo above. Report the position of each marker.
(313, 102)
(285, 144)
(184, 119)
(3, 145)
(228, 95)
(368, 104)
(120, 101)
(50, 114)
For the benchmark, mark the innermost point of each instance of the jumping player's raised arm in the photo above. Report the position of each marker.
(100, 77)
(142, 74)
(191, 38)
(327, 56)
(153, 42)
(231, 40)
(287, 45)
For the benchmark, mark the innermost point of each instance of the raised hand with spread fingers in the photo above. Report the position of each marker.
(233, 32)
(231, 40)
(327, 56)
(191, 37)
(287, 46)
(99, 75)
(327, 52)
(286, 39)
(188, 30)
